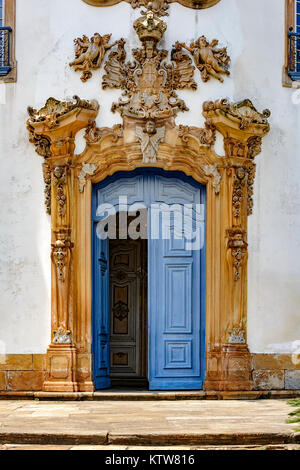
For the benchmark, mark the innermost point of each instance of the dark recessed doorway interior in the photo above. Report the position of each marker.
(128, 311)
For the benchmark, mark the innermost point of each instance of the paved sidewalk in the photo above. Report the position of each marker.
(132, 423)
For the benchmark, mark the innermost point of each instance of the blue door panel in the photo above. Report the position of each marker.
(101, 319)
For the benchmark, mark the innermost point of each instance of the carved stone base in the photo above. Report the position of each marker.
(229, 368)
(61, 369)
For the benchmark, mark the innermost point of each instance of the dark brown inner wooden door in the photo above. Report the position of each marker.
(128, 312)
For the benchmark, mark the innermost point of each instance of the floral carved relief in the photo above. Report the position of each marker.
(59, 180)
(94, 134)
(47, 191)
(239, 183)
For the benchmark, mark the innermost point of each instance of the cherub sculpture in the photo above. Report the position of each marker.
(150, 138)
(210, 61)
(90, 53)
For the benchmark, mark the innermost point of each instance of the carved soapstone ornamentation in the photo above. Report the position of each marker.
(47, 191)
(87, 169)
(62, 336)
(150, 138)
(238, 248)
(250, 182)
(209, 60)
(244, 111)
(206, 136)
(54, 110)
(89, 53)
(41, 143)
(149, 83)
(239, 183)
(94, 134)
(212, 170)
(61, 253)
(237, 336)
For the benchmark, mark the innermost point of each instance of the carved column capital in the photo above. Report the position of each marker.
(52, 128)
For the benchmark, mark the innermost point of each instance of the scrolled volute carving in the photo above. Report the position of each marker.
(94, 134)
(205, 136)
(41, 142)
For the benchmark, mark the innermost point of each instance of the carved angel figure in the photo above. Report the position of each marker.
(90, 53)
(210, 61)
(150, 138)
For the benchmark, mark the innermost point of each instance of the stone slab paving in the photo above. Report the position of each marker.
(134, 423)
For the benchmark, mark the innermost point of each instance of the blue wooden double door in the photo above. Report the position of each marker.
(174, 323)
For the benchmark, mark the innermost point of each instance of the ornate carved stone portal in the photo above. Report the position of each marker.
(148, 136)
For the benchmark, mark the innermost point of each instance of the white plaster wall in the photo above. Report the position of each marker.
(253, 31)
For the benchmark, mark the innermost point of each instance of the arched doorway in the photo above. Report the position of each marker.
(169, 350)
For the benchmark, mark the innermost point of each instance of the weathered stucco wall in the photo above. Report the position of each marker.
(253, 31)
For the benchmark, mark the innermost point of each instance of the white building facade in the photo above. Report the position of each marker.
(42, 43)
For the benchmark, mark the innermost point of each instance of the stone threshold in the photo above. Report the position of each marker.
(133, 395)
(149, 438)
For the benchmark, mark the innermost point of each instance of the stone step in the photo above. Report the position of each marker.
(146, 395)
(149, 438)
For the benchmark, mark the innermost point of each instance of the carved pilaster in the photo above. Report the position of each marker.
(52, 130)
(228, 358)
